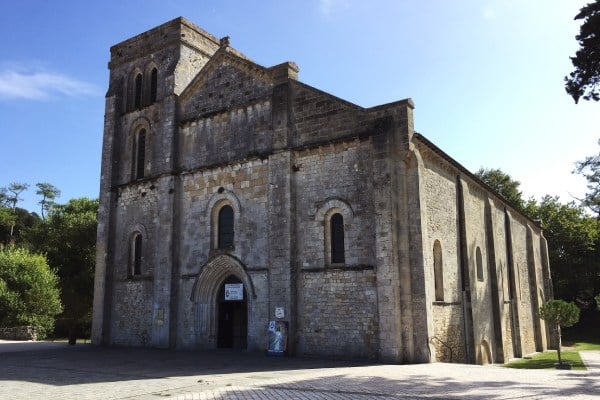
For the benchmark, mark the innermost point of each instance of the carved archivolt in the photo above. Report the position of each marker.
(206, 289)
(337, 205)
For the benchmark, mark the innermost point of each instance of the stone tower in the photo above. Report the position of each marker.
(147, 73)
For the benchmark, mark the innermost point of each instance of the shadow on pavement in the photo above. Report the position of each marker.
(426, 386)
(61, 364)
(81, 364)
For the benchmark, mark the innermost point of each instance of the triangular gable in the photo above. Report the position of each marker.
(226, 81)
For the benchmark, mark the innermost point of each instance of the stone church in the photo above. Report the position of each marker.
(233, 197)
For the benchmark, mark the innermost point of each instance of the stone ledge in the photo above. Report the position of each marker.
(19, 333)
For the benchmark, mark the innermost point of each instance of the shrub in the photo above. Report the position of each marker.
(29, 292)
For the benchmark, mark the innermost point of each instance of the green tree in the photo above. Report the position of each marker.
(11, 197)
(559, 314)
(584, 81)
(68, 238)
(49, 193)
(504, 185)
(20, 220)
(573, 238)
(7, 219)
(29, 292)
(590, 169)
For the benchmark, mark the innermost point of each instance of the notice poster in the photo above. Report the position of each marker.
(234, 291)
(278, 334)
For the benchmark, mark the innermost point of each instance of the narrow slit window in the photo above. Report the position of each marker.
(479, 264)
(137, 100)
(140, 154)
(137, 255)
(337, 238)
(153, 85)
(225, 228)
(438, 271)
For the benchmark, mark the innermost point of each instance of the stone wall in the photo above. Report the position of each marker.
(19, 333)
(484, 215)
(243, 186)
(337, 313)
(448, 339)
(232, 135)
(497, 219)
(538, 287)
(335, 177)
(132, 317)
(523, 296)
(480, 287)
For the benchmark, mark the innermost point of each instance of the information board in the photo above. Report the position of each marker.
(234, 291)
(278, 335)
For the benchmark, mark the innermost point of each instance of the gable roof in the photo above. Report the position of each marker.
(225, 53)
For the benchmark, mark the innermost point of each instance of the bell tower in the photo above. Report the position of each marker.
(138, 190)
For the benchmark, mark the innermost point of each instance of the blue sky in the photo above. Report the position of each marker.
(486, 76)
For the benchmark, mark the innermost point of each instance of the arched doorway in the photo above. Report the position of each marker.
(210, 306)
(232, 328)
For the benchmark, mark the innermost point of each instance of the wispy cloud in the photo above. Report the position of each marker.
(488, 12)
(328, 7)
(39, 84)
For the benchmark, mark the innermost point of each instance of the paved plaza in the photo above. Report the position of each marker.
(44, 370)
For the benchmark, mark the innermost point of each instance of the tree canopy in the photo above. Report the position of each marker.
(573, 248)
(590, 169)
(49, 193)
(504, 185)
(68, 238)
(573, 237)
(584, 81)
(29, 293)
(559, 313)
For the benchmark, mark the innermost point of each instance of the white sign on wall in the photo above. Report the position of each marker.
(234, 291)
(279, 313)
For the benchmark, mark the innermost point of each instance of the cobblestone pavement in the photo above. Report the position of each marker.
(58, 371)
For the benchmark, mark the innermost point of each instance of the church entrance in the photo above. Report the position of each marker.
(232, 311)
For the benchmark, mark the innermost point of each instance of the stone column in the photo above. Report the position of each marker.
(282, 266)
(102, 293)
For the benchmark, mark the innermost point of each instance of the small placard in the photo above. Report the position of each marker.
(234, 291)
(279, 313)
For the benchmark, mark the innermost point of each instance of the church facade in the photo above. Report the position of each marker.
(235, 198)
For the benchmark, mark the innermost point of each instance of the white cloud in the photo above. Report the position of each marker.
(489, 12)
(17, 83)
(329, 6)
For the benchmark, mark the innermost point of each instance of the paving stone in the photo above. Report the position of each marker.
(57, 371)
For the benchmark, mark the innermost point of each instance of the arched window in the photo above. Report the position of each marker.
(153, 85)
(336, 226)
(137, 99)
(479, 264)
(335, 218)
(225, 228)
(438, 271)
(140, 154)
(136, 255)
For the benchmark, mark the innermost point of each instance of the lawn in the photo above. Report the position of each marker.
(584, 336)
(547, 360)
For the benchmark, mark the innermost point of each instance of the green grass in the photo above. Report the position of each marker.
(586, 345)
(574, 341)
(547, 360)
(582, 339)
